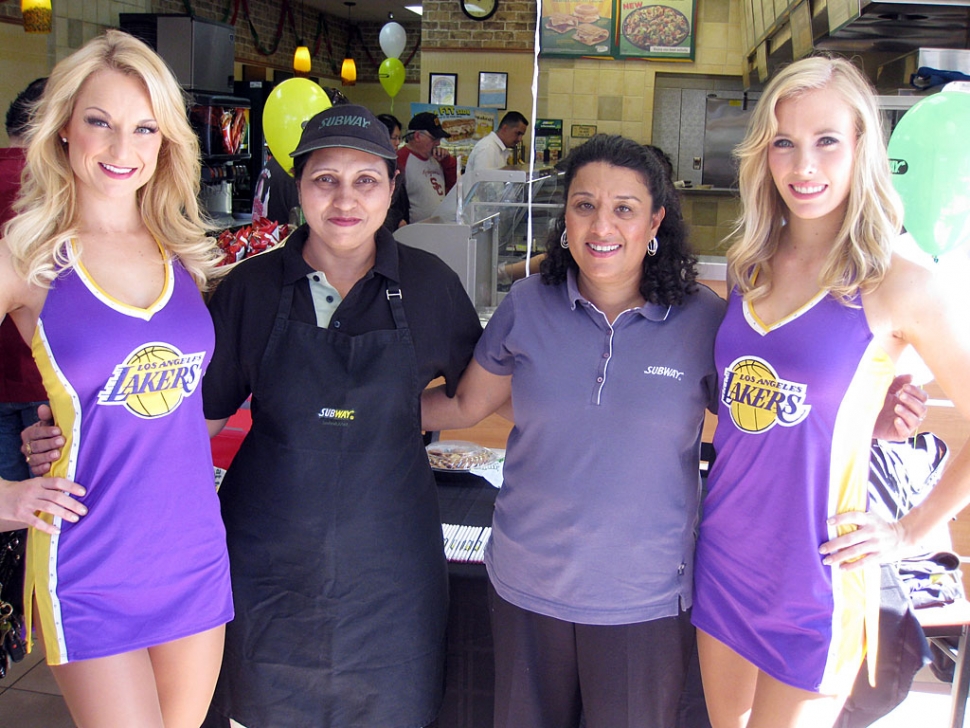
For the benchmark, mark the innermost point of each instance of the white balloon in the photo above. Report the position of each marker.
(393, 39)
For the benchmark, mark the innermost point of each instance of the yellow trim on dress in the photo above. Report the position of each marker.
(756, 323)
(856, 594)
(40, 587)
(126, 308)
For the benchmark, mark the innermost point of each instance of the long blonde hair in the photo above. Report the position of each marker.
(47, 207)
(861, 251)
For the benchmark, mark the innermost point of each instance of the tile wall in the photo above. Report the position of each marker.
(711, 218)
(617, 96)
(75, 23)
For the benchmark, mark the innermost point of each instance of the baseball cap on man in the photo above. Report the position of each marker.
(347, 126)
(427, 121)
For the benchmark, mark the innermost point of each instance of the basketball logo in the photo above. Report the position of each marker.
(153, 404)
(758, 398)
(153, 380)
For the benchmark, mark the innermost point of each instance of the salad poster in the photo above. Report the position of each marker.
(619, 29)
(656, 30)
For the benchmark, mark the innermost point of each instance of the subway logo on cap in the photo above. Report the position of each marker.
(345, 120)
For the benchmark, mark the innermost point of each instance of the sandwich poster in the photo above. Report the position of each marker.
(659, 31)
(462, 123)
(571, 28)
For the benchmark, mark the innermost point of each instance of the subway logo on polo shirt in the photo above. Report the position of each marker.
(153, 380)
(331, 416)
(662, 371)
(758, 398)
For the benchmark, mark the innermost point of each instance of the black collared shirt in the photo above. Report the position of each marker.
(444, 325)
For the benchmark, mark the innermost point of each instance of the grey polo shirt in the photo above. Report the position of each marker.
(596, 520)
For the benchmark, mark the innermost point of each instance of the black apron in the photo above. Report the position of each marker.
(338, 572)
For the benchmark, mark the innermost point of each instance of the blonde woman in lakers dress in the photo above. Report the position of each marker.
(786, 573)
(127, 571)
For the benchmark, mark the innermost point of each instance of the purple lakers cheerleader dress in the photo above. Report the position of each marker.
(798, 401)
(148, 562)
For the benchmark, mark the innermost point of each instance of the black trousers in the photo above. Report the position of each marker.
(553, 674)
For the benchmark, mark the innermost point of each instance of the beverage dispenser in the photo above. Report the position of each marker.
(222, 124)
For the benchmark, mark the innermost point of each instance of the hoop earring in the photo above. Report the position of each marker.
(563, 243)
(652, 247)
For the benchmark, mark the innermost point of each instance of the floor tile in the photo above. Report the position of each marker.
(30, 699)
(928, 704)
(25, 709)
(17, 670)
(38, 680)
(931, 710)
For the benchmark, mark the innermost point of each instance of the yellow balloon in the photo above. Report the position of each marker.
(289, 106)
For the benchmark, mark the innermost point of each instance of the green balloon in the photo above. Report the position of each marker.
(929, 159)
(391, 75)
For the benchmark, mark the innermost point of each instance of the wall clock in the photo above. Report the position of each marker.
(479, 9)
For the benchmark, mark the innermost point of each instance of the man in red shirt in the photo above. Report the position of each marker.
(426, 171)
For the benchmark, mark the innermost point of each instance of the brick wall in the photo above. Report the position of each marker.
(444, 27)
(265, 16)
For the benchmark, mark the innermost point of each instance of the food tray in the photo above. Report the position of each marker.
(451, 455)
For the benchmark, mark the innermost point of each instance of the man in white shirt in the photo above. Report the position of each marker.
(491, 152)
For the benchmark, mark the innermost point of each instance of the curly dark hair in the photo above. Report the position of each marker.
(669, 276)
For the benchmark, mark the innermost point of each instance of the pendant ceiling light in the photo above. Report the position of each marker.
(302, 63)
(301, 60)
(348, 71)
(37, 15)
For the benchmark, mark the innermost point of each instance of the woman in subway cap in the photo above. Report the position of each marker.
(330, 505)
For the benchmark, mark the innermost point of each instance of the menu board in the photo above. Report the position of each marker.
(656, 30)
(801, 30)
(570, 28)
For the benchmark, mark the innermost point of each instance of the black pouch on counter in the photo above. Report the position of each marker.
(903, 651)
(13, 547)
(12, 638)
(901, 475)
